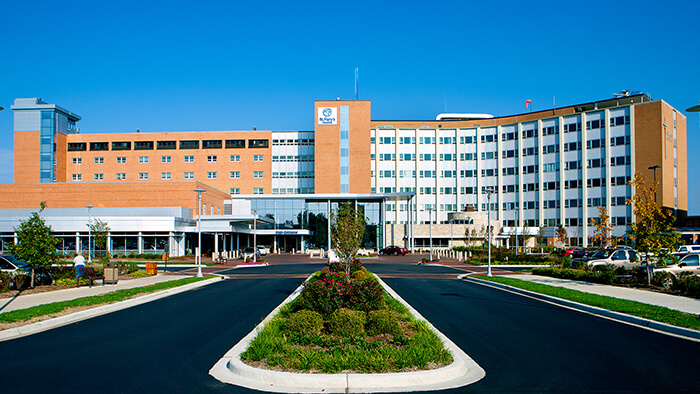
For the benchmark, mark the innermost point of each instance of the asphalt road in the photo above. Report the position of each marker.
(524, 345)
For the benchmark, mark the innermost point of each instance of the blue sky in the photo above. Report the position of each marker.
(186, 66)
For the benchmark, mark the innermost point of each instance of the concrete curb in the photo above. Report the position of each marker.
(230, 369)
(637, 321)
(37, 327)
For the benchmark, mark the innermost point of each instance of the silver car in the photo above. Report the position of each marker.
(689, 263)
(626, 258)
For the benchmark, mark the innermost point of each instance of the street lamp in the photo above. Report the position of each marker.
(255, 236)
(489, 191)
(654, 167)
(89, 207)
(430, 221)
(199, 191)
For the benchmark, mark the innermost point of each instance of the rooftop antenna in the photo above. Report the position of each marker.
(357, 83)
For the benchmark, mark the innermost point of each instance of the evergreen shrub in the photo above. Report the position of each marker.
(347, 323)
(303, 322)
(383, 322)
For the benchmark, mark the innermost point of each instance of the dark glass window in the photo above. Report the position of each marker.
(235, 144)
(77, 146)
(211, 144)
(99, 146)
(143, 145)
(121, 145)
(167, 145)
(189, 144)
(258, 143)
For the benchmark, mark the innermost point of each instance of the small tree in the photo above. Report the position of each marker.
(603, 228)
(527, 236)
(36, 243)
(653, 232)
(347, 232)
(99, 230)
(561, 234)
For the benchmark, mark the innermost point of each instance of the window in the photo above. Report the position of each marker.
(550, 167)
(77, 177)
(530, 133)
(189, 144)
(550, 186)
(407, 156)
(165, 175)
(235, 175)
(509, 153)
(121, 160)
(99, 177)
(407, 140)
(143, 159)
(189, 159)
(258, 143)
(387, 174)
(571, 127)
(387, 157)
(77, 160)
(488, 155)
(212, 144)
(427, 173)
(211, 175)
(529, 151)
(488, 138)
(235, 190)
(77, 146)
(619, 161)
(121, 145)
(235, 158)
(258, 157)
(99, 146)
(427, 156)
(572, 146)
(143, 145)
(447, 140)
(258, 190)
(530, 169)
(258, 174)
(212, 158)
(143, 176)
(468, 139)
(427, 140)
(468, 173)
(121, 176)
(387, 140)
(99, 160)
(550, 149)
(596, 163)
(235, 144)
(467, 156)
(189, 175)
(166, 145)
(594, 144)
(572, 165)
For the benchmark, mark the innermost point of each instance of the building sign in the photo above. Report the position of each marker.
(328, 115)
(287, 232)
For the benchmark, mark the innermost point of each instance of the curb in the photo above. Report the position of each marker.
(230, 369)
(669, 329)
(45, 325)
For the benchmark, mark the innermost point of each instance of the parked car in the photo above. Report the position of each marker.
(262, 250)
(689, 263)
(9, 264)
(393, 249)
(685, 250)
(250, 253)
(626, 258)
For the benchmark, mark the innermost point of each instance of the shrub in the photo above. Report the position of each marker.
(5, 281)
(128, 267)
(304, 322)
(365, 295)
(383, 322)
(104, 260)
(604, 275)
(689, 284)
(347, 323)
(139, 274)
(63, 272)
(360, 274)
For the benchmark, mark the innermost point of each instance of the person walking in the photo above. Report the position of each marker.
(79, 265)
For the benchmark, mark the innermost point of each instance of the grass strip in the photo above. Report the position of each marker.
(109, 298)
(646, 311)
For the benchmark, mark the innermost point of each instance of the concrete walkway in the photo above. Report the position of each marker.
(683, 304)
(30, 300)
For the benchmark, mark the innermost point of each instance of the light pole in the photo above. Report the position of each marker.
(489, 192)
(89, 207)
(654, 167)
(430, 221)
(255, 235)
(199, 191)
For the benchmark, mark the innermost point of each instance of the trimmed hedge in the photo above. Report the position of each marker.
(347, 323)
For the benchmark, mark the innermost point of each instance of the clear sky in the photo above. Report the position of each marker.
(193, 66)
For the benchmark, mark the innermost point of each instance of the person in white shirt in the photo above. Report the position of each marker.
(79, 264)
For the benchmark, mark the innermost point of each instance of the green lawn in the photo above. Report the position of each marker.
(646, 311)
(109, 298)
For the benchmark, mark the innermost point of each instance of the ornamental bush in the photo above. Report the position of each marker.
(365, 295)
(303, 322)
(383, 322)
(347, 323)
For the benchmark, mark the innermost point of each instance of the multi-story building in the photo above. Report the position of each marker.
(527, 171)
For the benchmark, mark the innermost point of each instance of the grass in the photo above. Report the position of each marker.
(109, 298)
(646, 311)
(418, 348)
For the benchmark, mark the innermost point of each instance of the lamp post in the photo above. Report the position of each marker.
(89, 207)
(654, 167)
(255, 235)
(199, 191)
(489, 192)
(430, 221)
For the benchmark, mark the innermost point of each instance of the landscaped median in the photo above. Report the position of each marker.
(41, 317)
(346, 333)
(633, 308)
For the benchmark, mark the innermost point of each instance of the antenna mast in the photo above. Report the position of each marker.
(357, 83)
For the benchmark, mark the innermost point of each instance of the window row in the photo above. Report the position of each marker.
(168, 159)
(166, 145)
(304, 141)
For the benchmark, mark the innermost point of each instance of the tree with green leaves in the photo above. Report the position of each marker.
(100, 231)
(347, 232)
(36, 243)
(653, 231)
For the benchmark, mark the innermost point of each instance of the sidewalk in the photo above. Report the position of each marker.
(30, 300)
(683, 304)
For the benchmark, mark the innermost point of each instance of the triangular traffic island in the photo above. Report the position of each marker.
(334, 360)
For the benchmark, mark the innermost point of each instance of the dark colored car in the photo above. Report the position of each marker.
(14, 267)
(393, 249)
